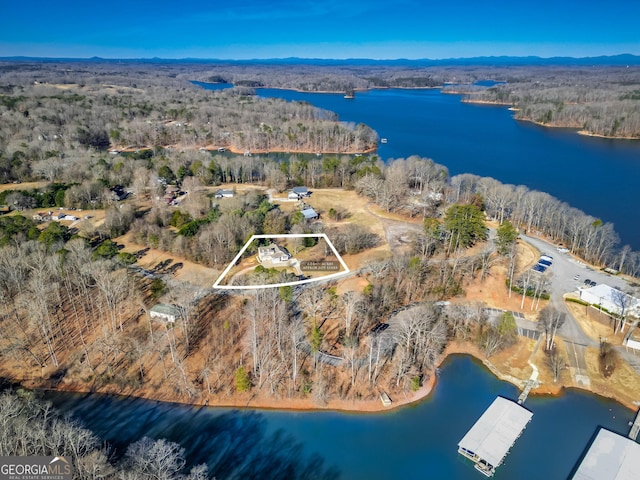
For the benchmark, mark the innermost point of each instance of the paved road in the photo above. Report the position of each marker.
(577, 363)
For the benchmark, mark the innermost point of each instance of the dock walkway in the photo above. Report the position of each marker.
(531, 383)
(533, 379)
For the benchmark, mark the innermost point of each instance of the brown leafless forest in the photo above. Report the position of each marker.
(74, 310)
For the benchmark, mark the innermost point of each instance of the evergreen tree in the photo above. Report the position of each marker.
(465, 224)
(243, 383)
(507, 235)
(316, 338)
(507, 328)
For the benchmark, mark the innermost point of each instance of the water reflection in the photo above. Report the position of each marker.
(233, 443)
(417, 441)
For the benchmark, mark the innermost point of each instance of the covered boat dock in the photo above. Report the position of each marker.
(610, 457)
(491, 437)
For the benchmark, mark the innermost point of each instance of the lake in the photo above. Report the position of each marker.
(599, 176)
(416, 441)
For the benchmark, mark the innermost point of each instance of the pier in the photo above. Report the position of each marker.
(533, 379)
(531, 383)
(489, 440)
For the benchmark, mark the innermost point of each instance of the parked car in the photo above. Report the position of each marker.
(577, 277)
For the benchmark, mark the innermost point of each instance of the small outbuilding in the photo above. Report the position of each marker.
(163, 311)
(384, 398)
(310, 214)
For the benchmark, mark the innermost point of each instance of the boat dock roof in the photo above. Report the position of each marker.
(491, 437)
(610, 457)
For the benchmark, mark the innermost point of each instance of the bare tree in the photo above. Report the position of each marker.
(350, 301)
(115, 286)
(557, 363)
(421, 336)
(549, 321)
(491, 341)
(622, 301)
(462, 316)
(155, 459)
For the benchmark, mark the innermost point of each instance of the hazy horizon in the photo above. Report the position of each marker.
(311, 59)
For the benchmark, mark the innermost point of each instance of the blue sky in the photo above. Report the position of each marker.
(245, 29)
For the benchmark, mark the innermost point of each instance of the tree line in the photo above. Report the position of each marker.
(50, 128)
(600, 101)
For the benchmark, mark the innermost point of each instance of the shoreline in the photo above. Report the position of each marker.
(352, 406)
(341, 92)
(486, 102)
(586, 133)
(263, 151)
(579, 131)
(239, 151)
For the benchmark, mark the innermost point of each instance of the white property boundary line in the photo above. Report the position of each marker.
(300, 282)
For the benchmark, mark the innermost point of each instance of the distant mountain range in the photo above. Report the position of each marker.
(617, 60)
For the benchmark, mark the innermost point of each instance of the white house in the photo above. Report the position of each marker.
(42, 216)
(224, 194)
(612, 299)
(273, 255)
(168, 313)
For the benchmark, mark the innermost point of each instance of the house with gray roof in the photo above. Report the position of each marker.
(224, 193)
(310, 214)
(297, 193)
